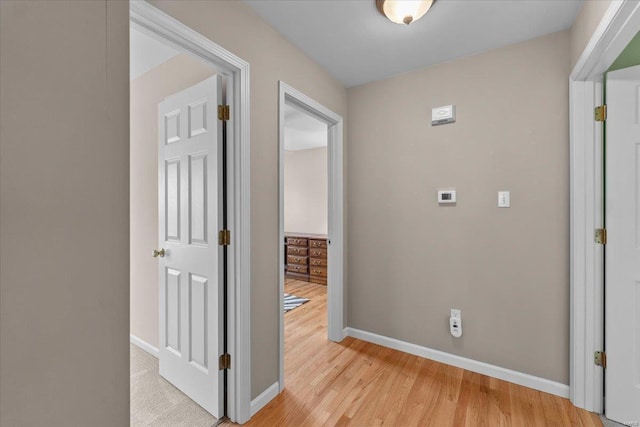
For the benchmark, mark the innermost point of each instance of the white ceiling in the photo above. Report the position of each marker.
(356, 44)
(146, 53)
(301, 131)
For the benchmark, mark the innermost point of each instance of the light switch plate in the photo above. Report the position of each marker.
(504, 199)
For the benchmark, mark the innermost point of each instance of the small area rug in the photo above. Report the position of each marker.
(292, 301)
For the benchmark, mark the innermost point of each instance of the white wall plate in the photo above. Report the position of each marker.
(443, 115)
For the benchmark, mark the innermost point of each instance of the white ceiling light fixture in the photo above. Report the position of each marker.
(404, 11)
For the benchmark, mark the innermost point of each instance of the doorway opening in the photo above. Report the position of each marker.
(311, 214)
(189, 221)
(174, 156)
(617, 28)
(305, 232)
(621, 218)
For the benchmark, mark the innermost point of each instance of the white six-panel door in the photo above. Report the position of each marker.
(190, 271)
(622, 282)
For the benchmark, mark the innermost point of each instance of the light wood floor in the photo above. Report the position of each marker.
(361, 384)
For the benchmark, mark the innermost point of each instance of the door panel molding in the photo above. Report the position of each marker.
(159, 25)
(587, 258)
(619, 24)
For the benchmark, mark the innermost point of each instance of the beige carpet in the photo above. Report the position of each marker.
(155, 402)
(606, 422)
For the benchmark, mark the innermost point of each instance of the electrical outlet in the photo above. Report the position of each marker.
(455, 323)
(455, 327)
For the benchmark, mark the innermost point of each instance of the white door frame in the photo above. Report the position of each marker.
(159, 25)
(619, 24)
(335, 274)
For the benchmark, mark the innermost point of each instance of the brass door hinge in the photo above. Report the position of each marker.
(601, 236)
(224, 237)
(223, 112)
(601, 113)
(600, 359)
(224, 362)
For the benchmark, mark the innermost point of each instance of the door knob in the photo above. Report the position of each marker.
(158, 253)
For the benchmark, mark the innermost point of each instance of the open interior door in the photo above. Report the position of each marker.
(622, 259)
(190, 259)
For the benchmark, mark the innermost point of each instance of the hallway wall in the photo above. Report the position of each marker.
(64, 213)
(412, 260)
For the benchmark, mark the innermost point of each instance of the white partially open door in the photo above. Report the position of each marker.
(622, 260)
(191, 335)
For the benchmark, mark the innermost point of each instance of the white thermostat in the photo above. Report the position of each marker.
(446, 197)
(443, 115)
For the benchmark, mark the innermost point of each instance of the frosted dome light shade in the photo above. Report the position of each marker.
(405, 11)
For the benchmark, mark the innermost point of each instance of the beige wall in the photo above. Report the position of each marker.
(585, 24)
(506, 269)
(147, 91)
(234, 26)
(64, 213)
(305, 191)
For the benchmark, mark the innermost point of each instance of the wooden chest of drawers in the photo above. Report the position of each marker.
(318, 261)
(306, 257)
(296, 258)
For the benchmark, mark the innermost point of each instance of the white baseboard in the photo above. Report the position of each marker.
(265, 397)
(515, 377)
(144, 346)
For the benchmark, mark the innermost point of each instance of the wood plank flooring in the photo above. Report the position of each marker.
(355, 383)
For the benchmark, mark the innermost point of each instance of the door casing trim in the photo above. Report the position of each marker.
(159, 25)
(619, 24)
(335, 274)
